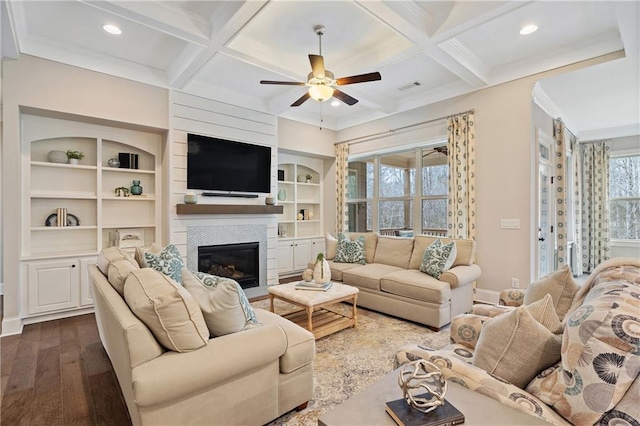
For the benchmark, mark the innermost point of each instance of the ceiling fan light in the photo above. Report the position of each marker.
(112, 29)
(320, 92)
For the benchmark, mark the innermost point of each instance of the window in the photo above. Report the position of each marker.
(383, 194)
(624, 197)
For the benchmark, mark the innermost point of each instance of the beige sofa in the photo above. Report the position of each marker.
(391, 281)
(596, 378)
(246, 378)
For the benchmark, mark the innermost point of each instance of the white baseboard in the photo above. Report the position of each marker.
(11, 326)
(487, 296)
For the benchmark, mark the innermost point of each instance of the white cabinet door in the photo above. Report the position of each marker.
(285, 257)
(302, 254)
(86, 291)
(53, 285)
(318, 245)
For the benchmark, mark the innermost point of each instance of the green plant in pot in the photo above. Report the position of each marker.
(321, 270)
(308, 177)
(74, 156)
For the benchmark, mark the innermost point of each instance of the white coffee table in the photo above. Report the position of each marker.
(315, 315)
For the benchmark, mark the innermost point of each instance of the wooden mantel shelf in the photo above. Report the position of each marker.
(227, 209)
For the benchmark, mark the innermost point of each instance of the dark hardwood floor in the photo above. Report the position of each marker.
(58, 373)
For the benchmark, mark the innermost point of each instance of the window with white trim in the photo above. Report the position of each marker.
(624, 197)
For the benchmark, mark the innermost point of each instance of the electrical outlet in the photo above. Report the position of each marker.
(515, 283)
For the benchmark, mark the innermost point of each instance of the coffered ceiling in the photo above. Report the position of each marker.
(426, 51)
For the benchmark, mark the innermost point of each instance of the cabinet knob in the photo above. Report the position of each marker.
(73, 266)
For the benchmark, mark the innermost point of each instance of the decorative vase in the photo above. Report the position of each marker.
(270, 201)
(321, 270)
(56, 156)
(136, 189)
(113, 162)
(282, 195)
(73, 161)
(190, 198)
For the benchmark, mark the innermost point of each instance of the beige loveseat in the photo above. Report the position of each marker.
(595, 378)
(246, 378)
(391, 281)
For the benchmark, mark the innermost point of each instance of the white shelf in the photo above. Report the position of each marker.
(64, 195)
(128, 225)
(130, 198)
(62, 228)
(308, 221)
(307, 184)
(118, 170)
(62, 165)
(308, 202)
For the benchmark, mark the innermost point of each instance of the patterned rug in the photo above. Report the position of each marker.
(350, 360)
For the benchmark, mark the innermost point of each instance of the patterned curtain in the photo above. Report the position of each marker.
(576, 264)
(595, 204)
(461, 214)
(342, 173)
(560, 194)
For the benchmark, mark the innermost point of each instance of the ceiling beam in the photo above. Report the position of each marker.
(159, 16)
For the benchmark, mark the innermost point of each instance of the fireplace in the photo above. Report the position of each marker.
(237, 261)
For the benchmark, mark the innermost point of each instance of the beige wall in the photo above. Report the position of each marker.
(31, 84)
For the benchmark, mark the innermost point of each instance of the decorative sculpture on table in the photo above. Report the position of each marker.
(423, 385)
(321, 270)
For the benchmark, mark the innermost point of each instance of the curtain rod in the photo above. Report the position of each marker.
(368, 137)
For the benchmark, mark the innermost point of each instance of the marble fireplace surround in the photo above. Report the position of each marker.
(208, 235)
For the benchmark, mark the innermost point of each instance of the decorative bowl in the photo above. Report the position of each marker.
(56, 156)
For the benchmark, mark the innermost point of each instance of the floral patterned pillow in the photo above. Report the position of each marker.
(438, 258)
(168, 261)
(350, 251)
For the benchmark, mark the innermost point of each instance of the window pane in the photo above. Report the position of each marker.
(395, 214)
(625, 219)
(360, 180)
(395, 174)
(435, 180)
(434, 215)
(360, 216)
(624, 177)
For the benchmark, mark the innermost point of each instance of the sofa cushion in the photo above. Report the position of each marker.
(110, 254)
(167, 309)
(222, 301)
(438, 258)
(350, 251)
(415, 285)
(301, 345)
(370, 243)
(559, 284)
(331, 246)
(368, 276)
(516, 346)
(465, 250)
(118, 272)
(168, 261)
(394, 251)
(338, 268)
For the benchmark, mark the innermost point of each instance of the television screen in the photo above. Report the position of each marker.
(222, 165)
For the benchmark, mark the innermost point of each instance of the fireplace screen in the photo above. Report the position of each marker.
(236, 261)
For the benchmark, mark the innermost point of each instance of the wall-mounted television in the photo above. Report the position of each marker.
(224, 166)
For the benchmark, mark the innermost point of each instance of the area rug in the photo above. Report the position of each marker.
(350, 360)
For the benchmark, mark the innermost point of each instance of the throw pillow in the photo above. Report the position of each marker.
(516, 347)
(331, 246)
(167, 309)
(168, 261)
(559, 284)
(222, 301)
(111, 254)
(140, 251)
(438, 258)
(350, 251)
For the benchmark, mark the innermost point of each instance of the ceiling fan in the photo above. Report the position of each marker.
(321, 82)
(439, 149)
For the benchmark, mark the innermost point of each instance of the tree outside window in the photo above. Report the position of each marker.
(624, 197)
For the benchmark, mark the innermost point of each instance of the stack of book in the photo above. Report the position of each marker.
(311, 285)
(404, 415)
(61, 216)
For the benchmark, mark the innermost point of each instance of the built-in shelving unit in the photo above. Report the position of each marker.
(53, 257)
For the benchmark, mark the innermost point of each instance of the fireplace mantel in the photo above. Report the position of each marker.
(227, 209)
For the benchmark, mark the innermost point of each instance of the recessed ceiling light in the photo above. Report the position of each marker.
(335, 103)
(528, 29)
(112, 29)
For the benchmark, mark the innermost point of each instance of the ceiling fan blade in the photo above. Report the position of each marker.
(344, 97)
(302, 99)
(317, 65)
(283, 83)
(362, 78)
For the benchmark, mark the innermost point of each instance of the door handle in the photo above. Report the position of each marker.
(541, 239)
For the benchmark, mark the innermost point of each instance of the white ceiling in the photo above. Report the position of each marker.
(222, 49)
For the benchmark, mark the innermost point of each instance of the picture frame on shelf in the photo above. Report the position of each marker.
(130, 237)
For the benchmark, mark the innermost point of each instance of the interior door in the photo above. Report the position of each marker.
(545, 253)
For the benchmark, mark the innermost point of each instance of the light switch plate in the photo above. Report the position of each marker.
(510, 224)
